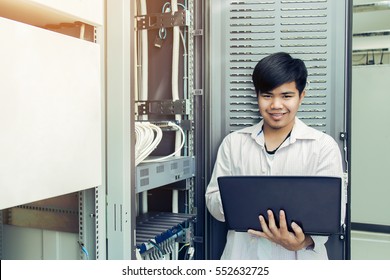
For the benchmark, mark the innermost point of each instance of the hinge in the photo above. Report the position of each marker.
(198, 239)
(197, 32)
(343, 135)
(197, 92)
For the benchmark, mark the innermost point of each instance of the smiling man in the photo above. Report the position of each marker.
(280, 144)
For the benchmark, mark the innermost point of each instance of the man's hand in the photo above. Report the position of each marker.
(292, 241)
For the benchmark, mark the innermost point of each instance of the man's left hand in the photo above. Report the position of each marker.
(292, 241)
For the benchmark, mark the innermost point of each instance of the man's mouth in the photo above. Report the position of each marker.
(277, 116)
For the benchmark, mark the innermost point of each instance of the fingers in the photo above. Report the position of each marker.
(298, 232)
(281, 235)
(270, 229)
(264, 226)
(283, 222)
(300, 236)
(265, 232)
(272, 223)
(257, 233)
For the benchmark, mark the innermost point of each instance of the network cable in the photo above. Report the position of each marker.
(177, 150)
(148, 136)
(84, 250)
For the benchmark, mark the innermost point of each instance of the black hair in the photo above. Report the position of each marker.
(277, 69)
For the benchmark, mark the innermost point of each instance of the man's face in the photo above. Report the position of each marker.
(279, 106)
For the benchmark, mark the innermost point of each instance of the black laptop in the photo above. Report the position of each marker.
(313, 202)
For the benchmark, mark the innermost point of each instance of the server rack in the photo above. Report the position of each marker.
(146, 195)
(58, 211)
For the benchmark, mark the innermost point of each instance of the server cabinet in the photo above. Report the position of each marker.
(243, 32)
(151, 192)
(52, 163)
(370, 208)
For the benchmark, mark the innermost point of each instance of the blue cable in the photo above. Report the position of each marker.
(85, 251)
(156, 246)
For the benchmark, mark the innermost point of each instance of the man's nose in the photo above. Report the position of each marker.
(276, 103)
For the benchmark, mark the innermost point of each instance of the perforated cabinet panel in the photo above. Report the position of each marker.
(312, 30)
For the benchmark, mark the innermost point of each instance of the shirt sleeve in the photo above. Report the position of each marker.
(221, 168)
(318, 252)
(330, 160)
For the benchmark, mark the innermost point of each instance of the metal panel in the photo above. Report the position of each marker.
(370, 153)
(59, 213)
(50, 118)
(370, 246)
(41, 12)
(253, 29)
(88, 224)
(196, 82)
(120, 124)
(153, 175)
(37, 244)
(1, 234)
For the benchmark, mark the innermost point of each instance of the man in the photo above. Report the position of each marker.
(280, 144)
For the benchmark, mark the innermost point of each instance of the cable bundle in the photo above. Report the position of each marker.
(148, 136)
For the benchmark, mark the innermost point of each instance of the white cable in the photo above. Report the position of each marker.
(148, 136)
(176, 151)
(175, 54)
(175, 68)
(144, 90)
(175, 96)
(144, 56)
(175, 92)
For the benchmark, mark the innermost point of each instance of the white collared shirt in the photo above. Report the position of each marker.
(307, 152)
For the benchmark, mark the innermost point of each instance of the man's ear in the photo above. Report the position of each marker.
(302, 96)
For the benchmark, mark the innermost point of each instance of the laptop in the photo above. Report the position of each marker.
(313, 202)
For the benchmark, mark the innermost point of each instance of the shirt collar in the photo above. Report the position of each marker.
(299, 131)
